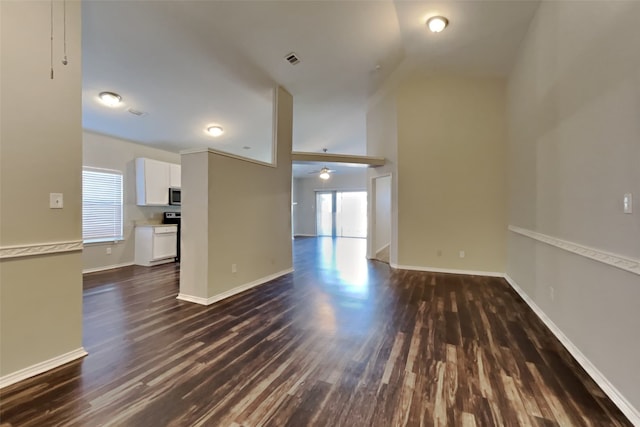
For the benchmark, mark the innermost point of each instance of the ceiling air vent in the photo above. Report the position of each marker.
(136, 112)
(292, 58)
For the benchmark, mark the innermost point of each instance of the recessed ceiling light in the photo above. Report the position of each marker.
(110, 99)
(215, 131)
(437, 23)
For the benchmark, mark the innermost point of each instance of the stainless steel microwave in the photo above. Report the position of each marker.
(175, 197)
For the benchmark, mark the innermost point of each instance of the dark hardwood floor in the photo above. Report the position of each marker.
(340, 342)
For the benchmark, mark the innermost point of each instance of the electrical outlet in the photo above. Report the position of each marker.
(552, 293)
(461, 254)
(234, 268)
(108, 251)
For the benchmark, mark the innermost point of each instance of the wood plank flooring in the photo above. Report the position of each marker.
(340, 342)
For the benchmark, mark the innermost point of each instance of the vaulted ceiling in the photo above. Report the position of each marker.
(189, 64)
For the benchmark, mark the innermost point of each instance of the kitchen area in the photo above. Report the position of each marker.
(150, 210)
(158, 183)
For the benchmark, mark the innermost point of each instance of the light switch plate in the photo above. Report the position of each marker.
(55, 200)
(627, 203)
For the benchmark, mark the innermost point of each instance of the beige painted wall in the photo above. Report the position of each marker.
(304, 194)
(194, 245)
(452, 173)
(246, 218)
(574, 150)
(102, 151)
(40, 153)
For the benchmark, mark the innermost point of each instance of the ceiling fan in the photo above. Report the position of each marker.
(325, 172)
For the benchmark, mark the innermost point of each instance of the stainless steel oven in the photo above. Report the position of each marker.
(174, 218)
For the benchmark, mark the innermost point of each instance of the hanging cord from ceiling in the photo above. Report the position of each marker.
(65, 61)
(64, 26)
(51, 44)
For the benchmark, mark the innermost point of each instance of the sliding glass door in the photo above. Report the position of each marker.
(325, 214)
(341, 213)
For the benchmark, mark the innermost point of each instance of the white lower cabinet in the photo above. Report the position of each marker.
(156, 244)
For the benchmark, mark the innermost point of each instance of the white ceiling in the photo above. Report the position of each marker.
(188, 64)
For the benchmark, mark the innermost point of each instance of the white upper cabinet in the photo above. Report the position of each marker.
(153, 179)
(175, 178)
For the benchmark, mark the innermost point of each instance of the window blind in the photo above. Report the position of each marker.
(101, 205)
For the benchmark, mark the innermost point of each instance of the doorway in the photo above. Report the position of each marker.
(380, 233)
(341, 213)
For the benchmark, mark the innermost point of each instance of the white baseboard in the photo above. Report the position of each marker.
(191, 298)
(383, 248)
(234, 291)
(618, 399)
(304, 235)
(447, 270)
(39, 368)
(106, 267)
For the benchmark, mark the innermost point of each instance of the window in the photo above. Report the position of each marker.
(101, 205)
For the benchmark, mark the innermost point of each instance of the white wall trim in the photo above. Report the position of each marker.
(224, 154)
(234, 291)
(304, 235)
(191, 298)
(32, 249)
(618, 261)
(623, 404)
(383, 248)
(106, 267)
(447, 270)
(39, 368)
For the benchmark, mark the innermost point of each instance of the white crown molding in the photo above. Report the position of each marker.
(447, 270)
(618, 261)
(39, 249)
(39, 368)
(234, 291)
(623, 404)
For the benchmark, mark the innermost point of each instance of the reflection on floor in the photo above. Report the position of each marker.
(341, 283)
(342, 341)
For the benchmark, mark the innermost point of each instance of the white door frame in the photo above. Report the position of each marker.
(371, 208)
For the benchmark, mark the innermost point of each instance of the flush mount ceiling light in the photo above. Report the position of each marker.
(437, 23)
(324, 174)
(215, 131)
(110, 99)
